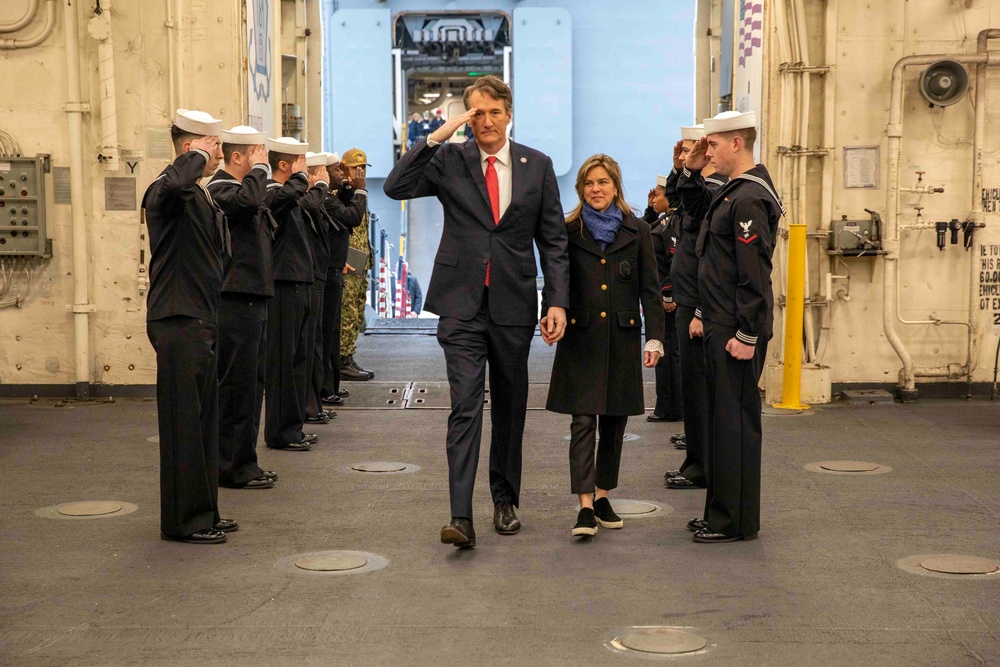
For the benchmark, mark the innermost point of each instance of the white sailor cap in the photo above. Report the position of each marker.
(333, 158)
(197, 122)
(661, 181)
(287, 146)
(243, 135)
(693, 132)
(727, 121)
(315, 159)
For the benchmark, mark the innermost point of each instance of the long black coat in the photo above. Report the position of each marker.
(598, 365)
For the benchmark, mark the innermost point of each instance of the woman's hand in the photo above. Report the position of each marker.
(650, 358)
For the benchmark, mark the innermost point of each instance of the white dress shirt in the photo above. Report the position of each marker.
(502, 167)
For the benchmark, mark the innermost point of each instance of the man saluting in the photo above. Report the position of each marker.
(498, 196)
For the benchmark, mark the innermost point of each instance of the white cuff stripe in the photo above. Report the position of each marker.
(746, 338)
(697, 313)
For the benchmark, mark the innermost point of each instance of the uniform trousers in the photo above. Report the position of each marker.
(332, 301)
(284, 409)
(187, 407)
(314, 350)
(242, 347)
(733, 499)
(669, 396)
(582, 443)
(354, 299)
(695, 390)
(468, 345)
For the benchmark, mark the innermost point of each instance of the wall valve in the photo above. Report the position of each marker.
(954, 226)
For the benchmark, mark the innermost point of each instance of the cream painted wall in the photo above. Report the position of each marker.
(870, 37)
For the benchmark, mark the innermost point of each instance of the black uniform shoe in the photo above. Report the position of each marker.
(606, 514)
(260, 482)
(505, 521)
(670, 473)
(321, 418)
(333, 399)
(653, 417)
(270, 473)
(696, 524)
(586, 523)
(681, 444)
(678, 437)
(332, 414)
(227, 526)
(460, 533)
(310, 438)
(343, 393)
(303, 446)
(681, 482)
(706, 537)
(207, 536)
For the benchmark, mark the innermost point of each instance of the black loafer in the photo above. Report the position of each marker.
(681, 482)
(696, 524)
(302, 446)
(586, 523)
(606, 514)
(460, 533)
(227, 526)
(707, 537)
(207, 536)
(505, 521)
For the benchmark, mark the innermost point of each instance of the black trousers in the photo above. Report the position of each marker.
(468, 345)
(284, 409)
(242, 346)
(333, 299)
(733, 502)
(187, 408)
(582, 444)
(695, 390)
(314, 350)
(669, 396)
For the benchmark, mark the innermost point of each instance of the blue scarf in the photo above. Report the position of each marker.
(603, 226)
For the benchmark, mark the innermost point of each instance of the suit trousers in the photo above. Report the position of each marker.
(284, 410)
(669, 396)
(242, 346)
(733, 500)
(468, 346)
(582, 443)
(695, 390)
(332, 302)
(314, 350)
(187, 407)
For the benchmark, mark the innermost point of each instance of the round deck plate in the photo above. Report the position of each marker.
(638, 509)
(949, 564)
(848, 468)
(659, 641)
(87, 509)
(628, 437)
(379, 468)
(333, 562)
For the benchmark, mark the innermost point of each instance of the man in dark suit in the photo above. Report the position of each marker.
(497, 196)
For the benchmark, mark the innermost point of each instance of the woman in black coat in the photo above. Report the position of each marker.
(597, 376)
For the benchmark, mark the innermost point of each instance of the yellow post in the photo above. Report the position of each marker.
(791, 385)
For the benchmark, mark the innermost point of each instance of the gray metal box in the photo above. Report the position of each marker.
(849, 236)
(22, 206)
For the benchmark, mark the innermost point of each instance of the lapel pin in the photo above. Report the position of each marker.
(524, 160)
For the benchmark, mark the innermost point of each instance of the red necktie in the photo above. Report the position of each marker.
(493, 189)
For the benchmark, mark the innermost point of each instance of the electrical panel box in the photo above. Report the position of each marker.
(22, 206)
(856, 237)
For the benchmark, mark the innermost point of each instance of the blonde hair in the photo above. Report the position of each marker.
(614, 171)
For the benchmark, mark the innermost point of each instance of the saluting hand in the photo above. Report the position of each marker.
(299, 165)
(697, 158)
(678, 153)
(650, 197)
(451, 126)
(257, 154)
(209, 144)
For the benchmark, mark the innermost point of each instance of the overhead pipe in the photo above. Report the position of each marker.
(8, 43)
(829, 139)
(173, 69)
(100, 29)
(29, 16)
(894, 133)
(75, 108)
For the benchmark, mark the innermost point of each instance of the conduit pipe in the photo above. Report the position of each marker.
(100, 29)
(8, 43)
(75, 108)
(703, 60)
(894, 133)
(29, 16)
(172, 67)
(829, 139)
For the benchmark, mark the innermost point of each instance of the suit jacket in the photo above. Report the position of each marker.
(598, 364)
(470, 240)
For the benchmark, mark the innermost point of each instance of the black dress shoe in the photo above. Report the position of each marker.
(505, 521)
(343, 393)
(332, 414)
(696, 524)
(653, 417)
(460, 533)
(302, 446)
(310, 438)
(207, 536)
(670, 473)
(270, 473)
(707, 537)
(260, 482)
(321, 418)
(681, 444)
(227, 526)
(678, 437)
(332, 399)
(681, 482)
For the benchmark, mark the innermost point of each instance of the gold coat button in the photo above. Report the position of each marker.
(603, 314)
(573, 321)
(604, 261)
(604, 287)
(631, 321)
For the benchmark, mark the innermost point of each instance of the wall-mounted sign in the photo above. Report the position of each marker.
(861, 167)
(119, 193)
(260, 65)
